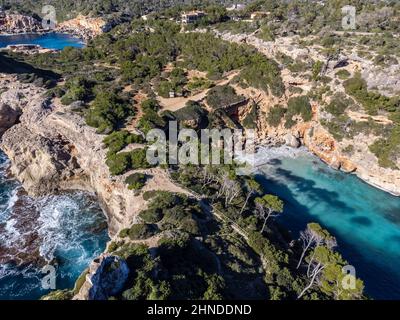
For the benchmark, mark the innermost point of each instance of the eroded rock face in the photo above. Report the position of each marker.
(8, 117)
(51, 148)
(109, 276)
(17, 23)
(84, 27)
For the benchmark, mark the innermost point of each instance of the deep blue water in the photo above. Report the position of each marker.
(52, 40)
(67, 230)
(365, 220)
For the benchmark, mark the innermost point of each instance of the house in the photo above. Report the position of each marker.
(236, 7)
(192, 16)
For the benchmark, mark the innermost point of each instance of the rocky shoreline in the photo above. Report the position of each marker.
(82, 27)
(51, 148)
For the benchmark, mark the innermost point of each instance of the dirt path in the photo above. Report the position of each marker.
(174, 104)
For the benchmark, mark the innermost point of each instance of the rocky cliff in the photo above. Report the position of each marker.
(84, 27)
(81, 26)
(17, 23)
(313, 134)
(51, 148)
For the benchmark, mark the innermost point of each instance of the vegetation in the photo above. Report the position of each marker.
(371, 101)
(192, 111)
(338, 105)
(107, 112)
(141, 231)
(387, 149)
(276, 115)
(222, 96)
(118, 140)
(343, 74)
(136, 181)
(250, 121)
(199, 84)
(298, 106)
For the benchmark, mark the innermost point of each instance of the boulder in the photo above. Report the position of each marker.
(292, 141)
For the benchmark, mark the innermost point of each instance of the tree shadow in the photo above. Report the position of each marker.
(12, 66)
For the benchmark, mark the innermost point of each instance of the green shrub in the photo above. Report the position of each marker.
(59, 295)
(80, 281)
(150, 194)
(371, 101)
(151, 215)
(275, 115)
(150, 119)
(142, 231)
(119, 163)
(138, 159)
(343, 74)
(250, 121)
(338, 105)
(222, 96)
(387, 149)
(199, 84)
(107, 112)
(136, 181)
(191, 111)
(316, 70)
(164, 88)
(118, 140)
(124, 233)
(298, 106)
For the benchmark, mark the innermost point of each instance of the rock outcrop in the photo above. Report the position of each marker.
(18, 23)
(106, 277)
(81, 26)
(84, 27)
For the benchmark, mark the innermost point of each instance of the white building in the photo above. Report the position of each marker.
(236, 7)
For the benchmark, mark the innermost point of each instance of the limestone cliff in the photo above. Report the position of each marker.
(84, 27)
(313, 134)
(17, 23)
(81, 26)
(51, 148)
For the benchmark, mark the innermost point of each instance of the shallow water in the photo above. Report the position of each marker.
(365, 220)
(52, 40)
(66, 231)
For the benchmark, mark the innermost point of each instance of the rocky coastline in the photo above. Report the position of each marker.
(52, 149)
(82, 27)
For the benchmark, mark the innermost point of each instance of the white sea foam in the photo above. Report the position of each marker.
(63, 224)
(265, 155)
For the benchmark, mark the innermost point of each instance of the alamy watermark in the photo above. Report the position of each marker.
(49, 280)
(210, 147)
(349, 18)
(349, 280)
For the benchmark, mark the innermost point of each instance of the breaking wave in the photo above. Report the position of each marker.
(66, 230)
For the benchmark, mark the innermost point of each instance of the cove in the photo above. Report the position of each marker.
(66, 230)
(52, 40)
(364, 220)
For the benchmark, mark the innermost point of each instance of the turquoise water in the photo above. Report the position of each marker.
(365, 220)
(67, 231)
(54, 40)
